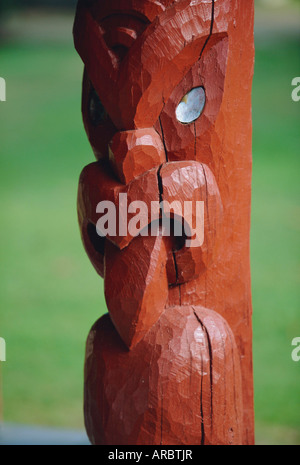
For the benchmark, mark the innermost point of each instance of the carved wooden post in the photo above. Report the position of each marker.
(167, 109)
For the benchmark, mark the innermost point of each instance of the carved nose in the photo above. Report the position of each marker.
(132, 153)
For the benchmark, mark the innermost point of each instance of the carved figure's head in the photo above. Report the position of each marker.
(157, 109)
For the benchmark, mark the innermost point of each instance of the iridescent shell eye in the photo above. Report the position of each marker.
(191, 106)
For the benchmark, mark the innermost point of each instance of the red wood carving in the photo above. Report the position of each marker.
(167, 110)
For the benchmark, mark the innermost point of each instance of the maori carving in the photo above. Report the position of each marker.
(166, 106)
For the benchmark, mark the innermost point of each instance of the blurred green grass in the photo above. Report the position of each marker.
(275, 234)
(50, 295)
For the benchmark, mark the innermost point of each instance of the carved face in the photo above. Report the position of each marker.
(153, 89)
(144, 69)
(167, 109)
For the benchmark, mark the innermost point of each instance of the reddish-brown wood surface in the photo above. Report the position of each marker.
(171, 363)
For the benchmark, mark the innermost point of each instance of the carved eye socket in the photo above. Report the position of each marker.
(191, 106)
(98, 114)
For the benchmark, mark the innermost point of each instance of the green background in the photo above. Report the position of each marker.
(50, 294)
